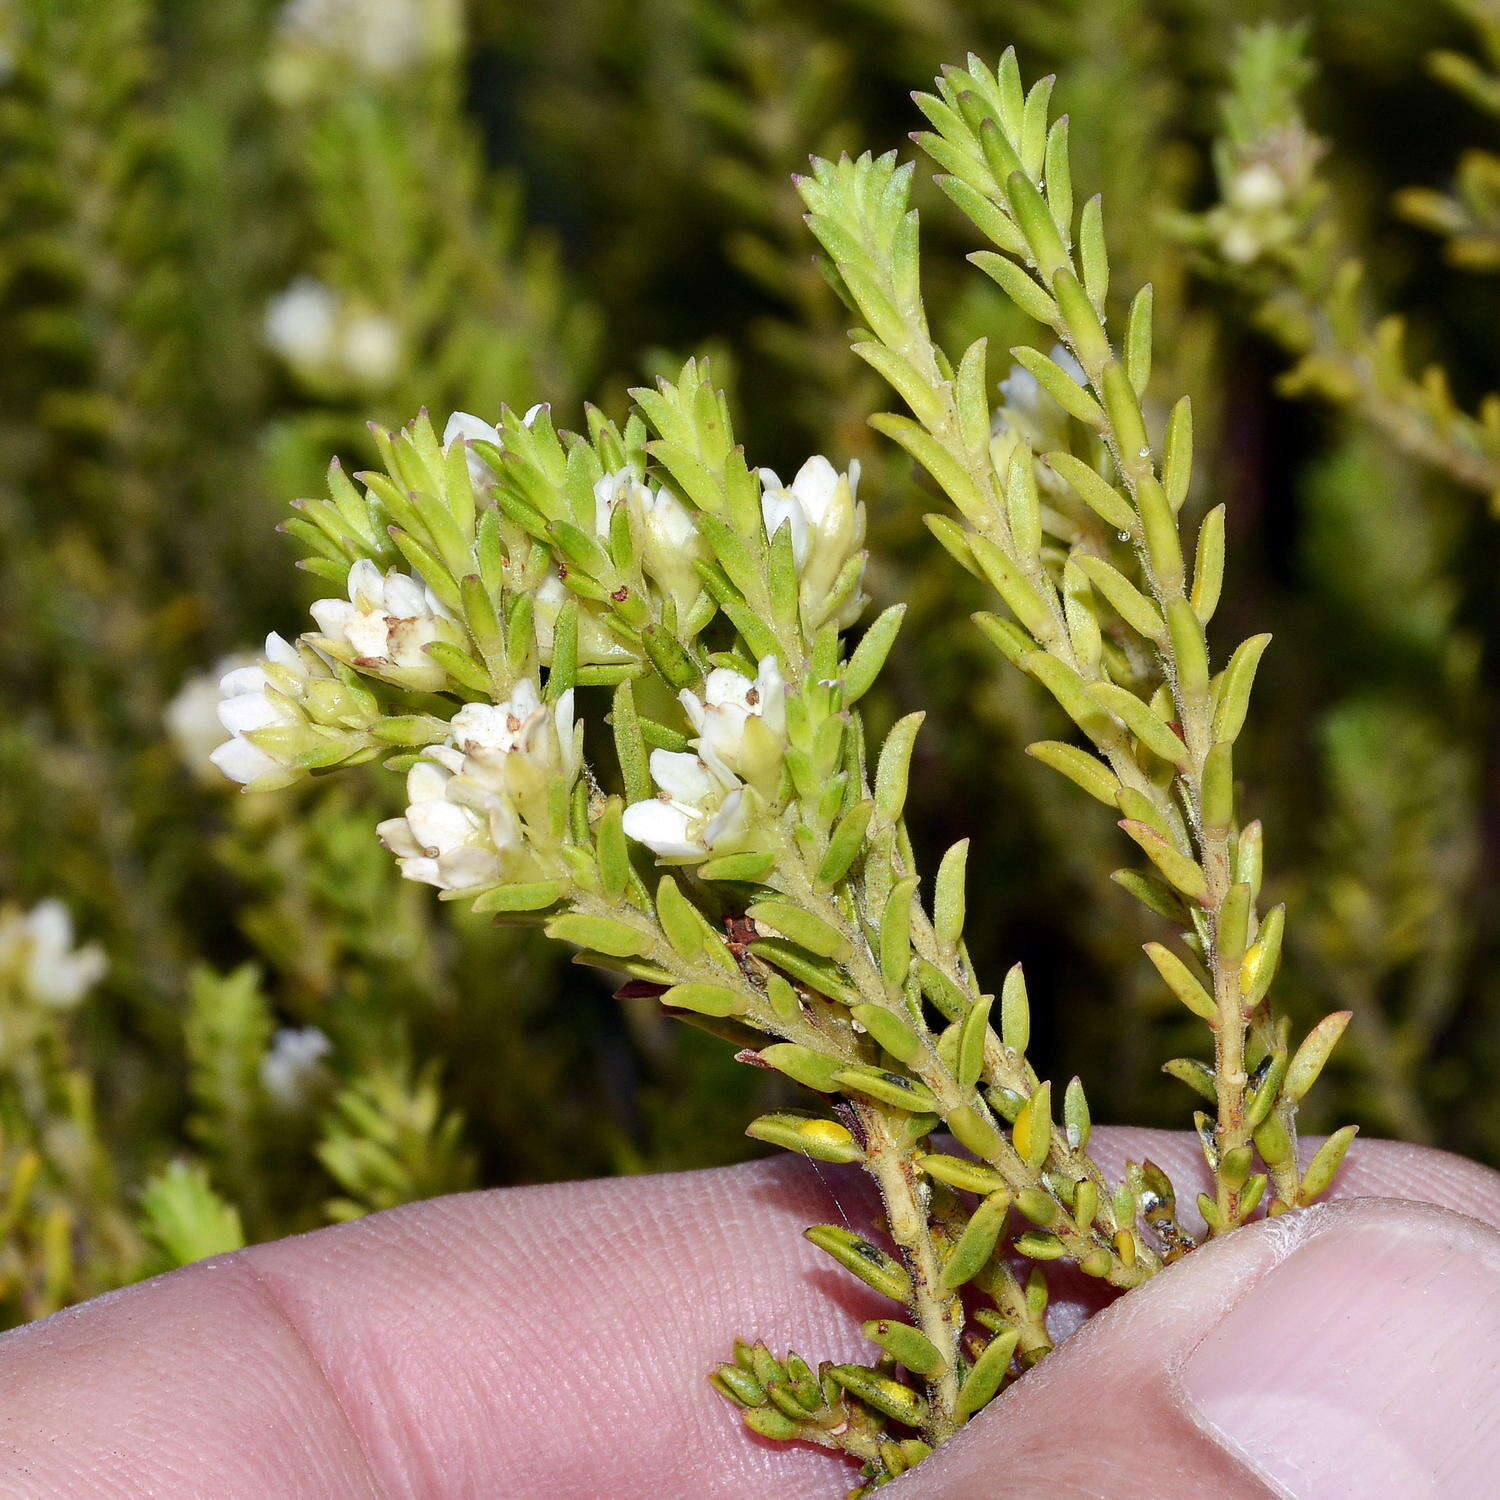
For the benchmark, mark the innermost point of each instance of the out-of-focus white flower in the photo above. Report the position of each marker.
(827, 529)
(192, 718)
(326, 337)
(370, 349)
(698, 812)
(741, 723)
(320, 43)
(259, 696)
(37, 956)
(292, 1071)
(1255, 187)
(385, 626)
(473, 801)
(302, 322)
(464, 427)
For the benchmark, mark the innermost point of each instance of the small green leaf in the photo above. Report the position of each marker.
(706, 999)
(948, 897)
(894, 765)
(808, 1135)
(601, 934)
(1032, 1131)
(802, 928)
(1326, 1161)
(1182, 873)
(845, 845)
(974, 1031)
(1309, 1060)
(989, 1371)
(895, 934)
(890, 1088)
(870, 655)
(1015, 1011)
(868, 1262)
(802, 1065)
(1182, 982)
(906, 1345)
(889, 1031)
(1081, 768)
(536, 896)
(1233, 696)
(1077, 1124)
(977, 1242)
(961, 1172)
(898, 1402)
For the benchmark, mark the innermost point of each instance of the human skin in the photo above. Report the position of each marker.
(553, 1342)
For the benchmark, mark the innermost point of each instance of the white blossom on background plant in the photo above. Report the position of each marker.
(1029, 414)
(38, 958)
(827, 529)
(292, 1071)
(324, 336)
(385, 626)
(320, 43)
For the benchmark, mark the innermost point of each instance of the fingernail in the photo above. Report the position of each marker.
(1366, 1363)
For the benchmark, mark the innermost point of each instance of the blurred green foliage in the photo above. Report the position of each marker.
(232, 233)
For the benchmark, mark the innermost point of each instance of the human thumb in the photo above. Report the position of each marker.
(1347, 1351)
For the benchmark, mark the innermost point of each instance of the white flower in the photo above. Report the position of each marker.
(301, 323)
(385, 626)
(376, 39)
(1256, 187)
(251, 700)
(442, 842)
(698, 812)
(741, 723)
(464, 427)
(292, 1070)
(664, 529)
(474, 800)
(520, 747)
(827, 529)
(327, 337)
(369, 349)
(192, 718)
(38, 957)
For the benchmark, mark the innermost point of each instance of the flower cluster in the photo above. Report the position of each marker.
(287, 712)
(704, 803)
(385, 626)
(481, 806)
(827, 527)
(38, 960)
